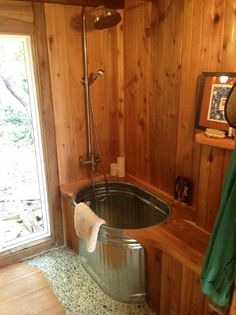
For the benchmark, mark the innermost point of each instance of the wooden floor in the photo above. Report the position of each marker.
(25, 291)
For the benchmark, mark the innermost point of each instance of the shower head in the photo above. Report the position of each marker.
(107, 19)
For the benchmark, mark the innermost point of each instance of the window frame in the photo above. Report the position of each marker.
(35, 27)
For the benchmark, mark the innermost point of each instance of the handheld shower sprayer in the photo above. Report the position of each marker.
(100, 72)
(93, 76)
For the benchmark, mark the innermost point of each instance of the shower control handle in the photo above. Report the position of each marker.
(95, 159)
(92, 77)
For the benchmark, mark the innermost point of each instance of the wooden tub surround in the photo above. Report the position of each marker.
(175, 251)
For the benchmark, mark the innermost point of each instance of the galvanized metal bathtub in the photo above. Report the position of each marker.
(118, 263)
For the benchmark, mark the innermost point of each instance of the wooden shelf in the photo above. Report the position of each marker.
(225, 143)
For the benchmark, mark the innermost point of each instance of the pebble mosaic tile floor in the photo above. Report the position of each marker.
(75, 289)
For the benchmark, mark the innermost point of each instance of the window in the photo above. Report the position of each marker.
(24, 215)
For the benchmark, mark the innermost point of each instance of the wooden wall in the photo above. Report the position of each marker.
(177, 288)
(167, 46)
(155, 62)
(64, 33)
(16, 18)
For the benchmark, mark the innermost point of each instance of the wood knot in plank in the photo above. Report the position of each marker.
(142, 123)
(50, 41)
(154, 24)
(147, 32)
(210, 157)
(216, 18)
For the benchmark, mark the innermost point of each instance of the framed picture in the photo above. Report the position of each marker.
(213, 90)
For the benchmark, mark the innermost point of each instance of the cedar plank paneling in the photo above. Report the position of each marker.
(173, 288)
(206, 32)
(137, 74)
(228, 44)
(186, 291)
(187, 38)
(66, 65)
(16, 17)
(120, 81)
(172, 67)
(186, 116)
(204, 170)
(192, 300)
(170, 285)
(218, 24)
(115, 4)
(153, 274)
(215, 185)
(17, 11)
(157, 91)
(57, 33)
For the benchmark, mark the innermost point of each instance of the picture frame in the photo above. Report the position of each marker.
(213, 90)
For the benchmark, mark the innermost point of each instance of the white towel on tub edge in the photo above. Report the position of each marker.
(87, 225)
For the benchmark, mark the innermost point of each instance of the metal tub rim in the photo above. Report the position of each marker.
(125, 188)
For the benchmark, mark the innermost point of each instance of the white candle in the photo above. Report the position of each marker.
(230, 132)
(120, 166)
(113, 169)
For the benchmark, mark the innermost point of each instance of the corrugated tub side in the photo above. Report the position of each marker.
(118, 263)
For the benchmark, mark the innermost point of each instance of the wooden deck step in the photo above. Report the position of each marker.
(24, 290)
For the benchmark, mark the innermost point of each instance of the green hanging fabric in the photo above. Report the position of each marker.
(219, 267)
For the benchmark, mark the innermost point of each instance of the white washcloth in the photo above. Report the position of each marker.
(87, 225)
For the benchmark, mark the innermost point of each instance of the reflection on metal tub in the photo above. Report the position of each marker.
(118, 263)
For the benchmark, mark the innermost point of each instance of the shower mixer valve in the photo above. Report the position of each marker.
(92, 77)
(95, 159)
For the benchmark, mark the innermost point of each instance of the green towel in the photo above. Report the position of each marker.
(219, 267)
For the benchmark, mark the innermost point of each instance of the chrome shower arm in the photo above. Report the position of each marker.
(93, 9)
